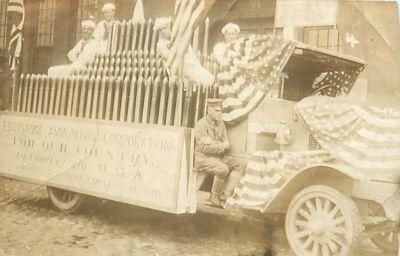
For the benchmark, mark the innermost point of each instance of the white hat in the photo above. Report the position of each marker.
(88, 24)
(108, 7)
(231, 26)
(162, 23)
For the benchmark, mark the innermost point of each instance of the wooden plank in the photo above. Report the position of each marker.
(141, 36)
(171, 103)
(71, 82)
(82, 96)
(115, 37)
(30, 93)
(134, 36)
(109, 99)
(122, 36)
(89, 97)
(147, 100)
(41, 92)
(139, 100)
(102, 96)
(65, 89)
(96, 92)
(128, 36)
(165, 155)
(131, 101)
(155, 97)
(53, 84)
(148, 34)
(186, 104)
(118, 84)
(46, 99)
(197, 90)
(35, 94)
(124, 96)
(19, 100)
(75, 102)
(163, 102)
(59, 86)
(109, 40)
(179, 102)
(25, 93)
(153, 42)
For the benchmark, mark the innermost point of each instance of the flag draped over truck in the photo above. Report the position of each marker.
(365, 137)
(268, 172)
(252, 66)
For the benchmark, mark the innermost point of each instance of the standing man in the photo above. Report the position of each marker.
(231, 33)
(210, 153)
(103, 28)
(83, 53)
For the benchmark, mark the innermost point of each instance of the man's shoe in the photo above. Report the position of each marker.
(214, 200)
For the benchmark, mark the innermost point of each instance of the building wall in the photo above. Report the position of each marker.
(374, 24)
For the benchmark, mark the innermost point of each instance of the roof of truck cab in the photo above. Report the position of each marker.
(307, 58)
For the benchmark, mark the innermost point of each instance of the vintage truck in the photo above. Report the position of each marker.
(120, 129)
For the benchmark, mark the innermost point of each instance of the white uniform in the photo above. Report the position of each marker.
(101, 33)
(192, 68)
(83, 53)
(219, 50)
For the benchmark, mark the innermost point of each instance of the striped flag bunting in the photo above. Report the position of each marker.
(268, 172)
(252, 68)
(364, 137)
(16, 12)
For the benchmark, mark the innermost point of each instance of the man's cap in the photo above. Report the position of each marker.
(230, 26)
(88, 24)
(214, 103)
(108, 7)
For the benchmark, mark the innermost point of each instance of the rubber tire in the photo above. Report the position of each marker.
(66, 207)
(347, 204)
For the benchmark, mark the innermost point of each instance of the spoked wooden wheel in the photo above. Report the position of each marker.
(387, 241)
(64, 200)
(321, 221)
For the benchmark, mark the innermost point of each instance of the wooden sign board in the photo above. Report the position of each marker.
(144, 165)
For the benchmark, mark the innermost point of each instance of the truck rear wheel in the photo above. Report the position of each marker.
(65, 201)
(321, 221)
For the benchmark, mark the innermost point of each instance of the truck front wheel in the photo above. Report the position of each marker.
(65, 201)
(321, 221)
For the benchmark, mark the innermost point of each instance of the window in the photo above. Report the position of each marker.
(45, 24)
(3, 24)
(86, 8)
(326, 37)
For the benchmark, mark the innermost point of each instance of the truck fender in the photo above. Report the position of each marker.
(334, 175)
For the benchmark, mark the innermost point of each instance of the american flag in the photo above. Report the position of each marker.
(187, 16)
(16, 12)
(365, 137)
(252, 67)
(268, 172)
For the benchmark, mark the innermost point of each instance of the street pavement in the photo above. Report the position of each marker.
(29, 225)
